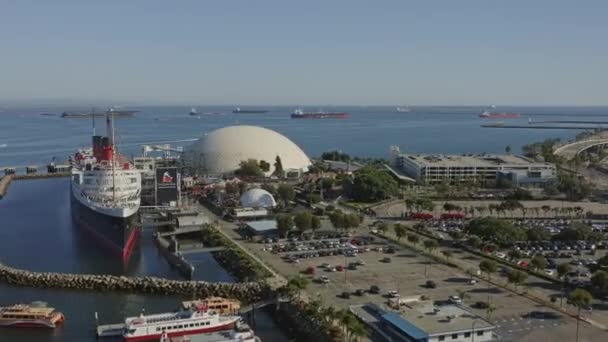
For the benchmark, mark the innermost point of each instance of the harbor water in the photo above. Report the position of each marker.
(36, 233)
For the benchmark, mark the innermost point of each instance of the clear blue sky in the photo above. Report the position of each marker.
(306, 52)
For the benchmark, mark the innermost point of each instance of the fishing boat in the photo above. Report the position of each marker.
(490, 113)
(300, 114)
(238, 110)
(404, 109)
(34, 315)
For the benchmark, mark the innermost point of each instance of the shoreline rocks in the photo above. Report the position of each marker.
(246, 292)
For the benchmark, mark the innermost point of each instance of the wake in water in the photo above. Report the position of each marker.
(3, 145)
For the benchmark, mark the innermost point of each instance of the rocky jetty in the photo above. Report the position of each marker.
(245, 292)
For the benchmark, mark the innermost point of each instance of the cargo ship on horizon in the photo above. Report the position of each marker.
(300, 114)
(491, 114)
(238, 110)
(106, 193)
(93, 114)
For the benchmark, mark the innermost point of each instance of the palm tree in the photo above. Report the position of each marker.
(581, 299)
(489, 310)
(462, 294)
(447, 254)
(489, 267)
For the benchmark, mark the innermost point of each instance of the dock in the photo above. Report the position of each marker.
(584, 128)
(10, 177)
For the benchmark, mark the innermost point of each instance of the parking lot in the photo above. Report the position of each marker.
(407, 274)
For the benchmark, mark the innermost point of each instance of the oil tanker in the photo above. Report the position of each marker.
(491, 114)
(300, 114)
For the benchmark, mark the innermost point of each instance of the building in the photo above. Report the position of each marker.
(262, 229)
(220, 152)
(425, 322)
(258, 198)
(437, 168)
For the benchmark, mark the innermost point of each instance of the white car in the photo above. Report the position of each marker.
(455, 300)
(501, 255)
(472, 281)
(324, 279)
(549, 272)
(325, 265)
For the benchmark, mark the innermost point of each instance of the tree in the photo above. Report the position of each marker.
(514, 254)
(370, 184)
(315, 223)
(577, 231)
(352, 221)
(537, 234)
(399, 231)
(337, 219)
(581, 299)
(563, 269)
(249, 168)
(335, 156)
(497, 231)
(313, 199)
(489, 267)
(447, 254)
(539, 262)
(382, 227)
(430, 245)
(413, 238)
(517, 277)
(270, 188)
(264, 166)
(474, 242)
(489, 310)
(286, 193)
(600, 281)
(284, 224)
(303, 221)
(297, 284)
(278, 167)
(462, 294)
(575, 188)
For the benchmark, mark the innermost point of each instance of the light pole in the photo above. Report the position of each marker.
(473, 331)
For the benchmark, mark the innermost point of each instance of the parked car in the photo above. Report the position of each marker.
(386, 259)
(393, 294)
(374, 289)
(455, 300)
(430, 284)
(345, 295)
(324, 279)
(360, 292)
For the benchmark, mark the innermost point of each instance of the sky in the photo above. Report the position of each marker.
(542, 52)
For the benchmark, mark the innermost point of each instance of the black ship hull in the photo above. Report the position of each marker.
(117, 234)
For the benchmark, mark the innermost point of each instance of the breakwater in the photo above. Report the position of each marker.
(245, 292)
(8, 179)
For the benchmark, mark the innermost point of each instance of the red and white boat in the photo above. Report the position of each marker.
(196, 320)
(491, 114)
(34, 315)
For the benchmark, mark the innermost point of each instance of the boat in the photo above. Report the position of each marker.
(219, 304)
(48, 114)
(88, 115)
(194, 111)
(238, 110)
(491, 114)
(34, 315)
(241, 333)
(106, 193)
(405, 109)
(195, 320)
(300, 114)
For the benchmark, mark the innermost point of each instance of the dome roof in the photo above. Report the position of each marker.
(221, 150)
(258, 198)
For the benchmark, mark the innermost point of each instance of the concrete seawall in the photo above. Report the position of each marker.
(7, 180)
(246, 292)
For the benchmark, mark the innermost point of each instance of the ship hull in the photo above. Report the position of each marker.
(118, 234)
(320, 116)
(28, 324)
(156, 337)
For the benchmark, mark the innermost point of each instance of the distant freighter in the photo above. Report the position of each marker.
(81, 115)
(249, 111)
(490, 114)
(300, 114)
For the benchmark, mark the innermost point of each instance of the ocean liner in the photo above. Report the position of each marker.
(105, 193)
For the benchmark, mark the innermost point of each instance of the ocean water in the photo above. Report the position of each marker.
(31, 139)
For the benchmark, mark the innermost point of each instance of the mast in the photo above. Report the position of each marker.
(113, 157)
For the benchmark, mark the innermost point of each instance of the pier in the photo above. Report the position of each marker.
(584, 128)
(10, 177)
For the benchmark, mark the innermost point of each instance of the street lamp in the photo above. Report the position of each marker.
(473, 331)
